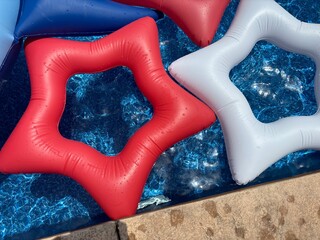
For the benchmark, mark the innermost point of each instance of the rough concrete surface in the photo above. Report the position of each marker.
(105, 231)
(287, 210)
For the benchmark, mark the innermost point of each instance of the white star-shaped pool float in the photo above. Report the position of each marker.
(252, 146)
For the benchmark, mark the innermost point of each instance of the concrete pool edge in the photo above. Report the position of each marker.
(286, 209)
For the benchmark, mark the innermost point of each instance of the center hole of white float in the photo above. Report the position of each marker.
(276, 83)
(103, 110)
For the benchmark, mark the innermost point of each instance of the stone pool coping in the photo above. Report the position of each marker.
(287, 209)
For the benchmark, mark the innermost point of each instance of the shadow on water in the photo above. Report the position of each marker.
(14, 98)
(55, 188)
(3, 177)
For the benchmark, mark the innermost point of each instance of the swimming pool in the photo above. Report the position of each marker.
(103, 110)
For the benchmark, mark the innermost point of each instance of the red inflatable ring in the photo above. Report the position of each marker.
(198, 19)
(115, 182)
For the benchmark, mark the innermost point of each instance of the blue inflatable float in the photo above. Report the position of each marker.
(9, 10)
(25, 18)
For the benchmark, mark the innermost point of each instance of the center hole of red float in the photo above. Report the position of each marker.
(104, 109)
(276, 83)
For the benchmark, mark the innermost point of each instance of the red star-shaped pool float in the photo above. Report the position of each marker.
(198, 19)
(115, 182)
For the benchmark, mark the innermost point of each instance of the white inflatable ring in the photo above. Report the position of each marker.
(252, 146)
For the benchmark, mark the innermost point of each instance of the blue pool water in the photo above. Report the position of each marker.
(103, 110)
